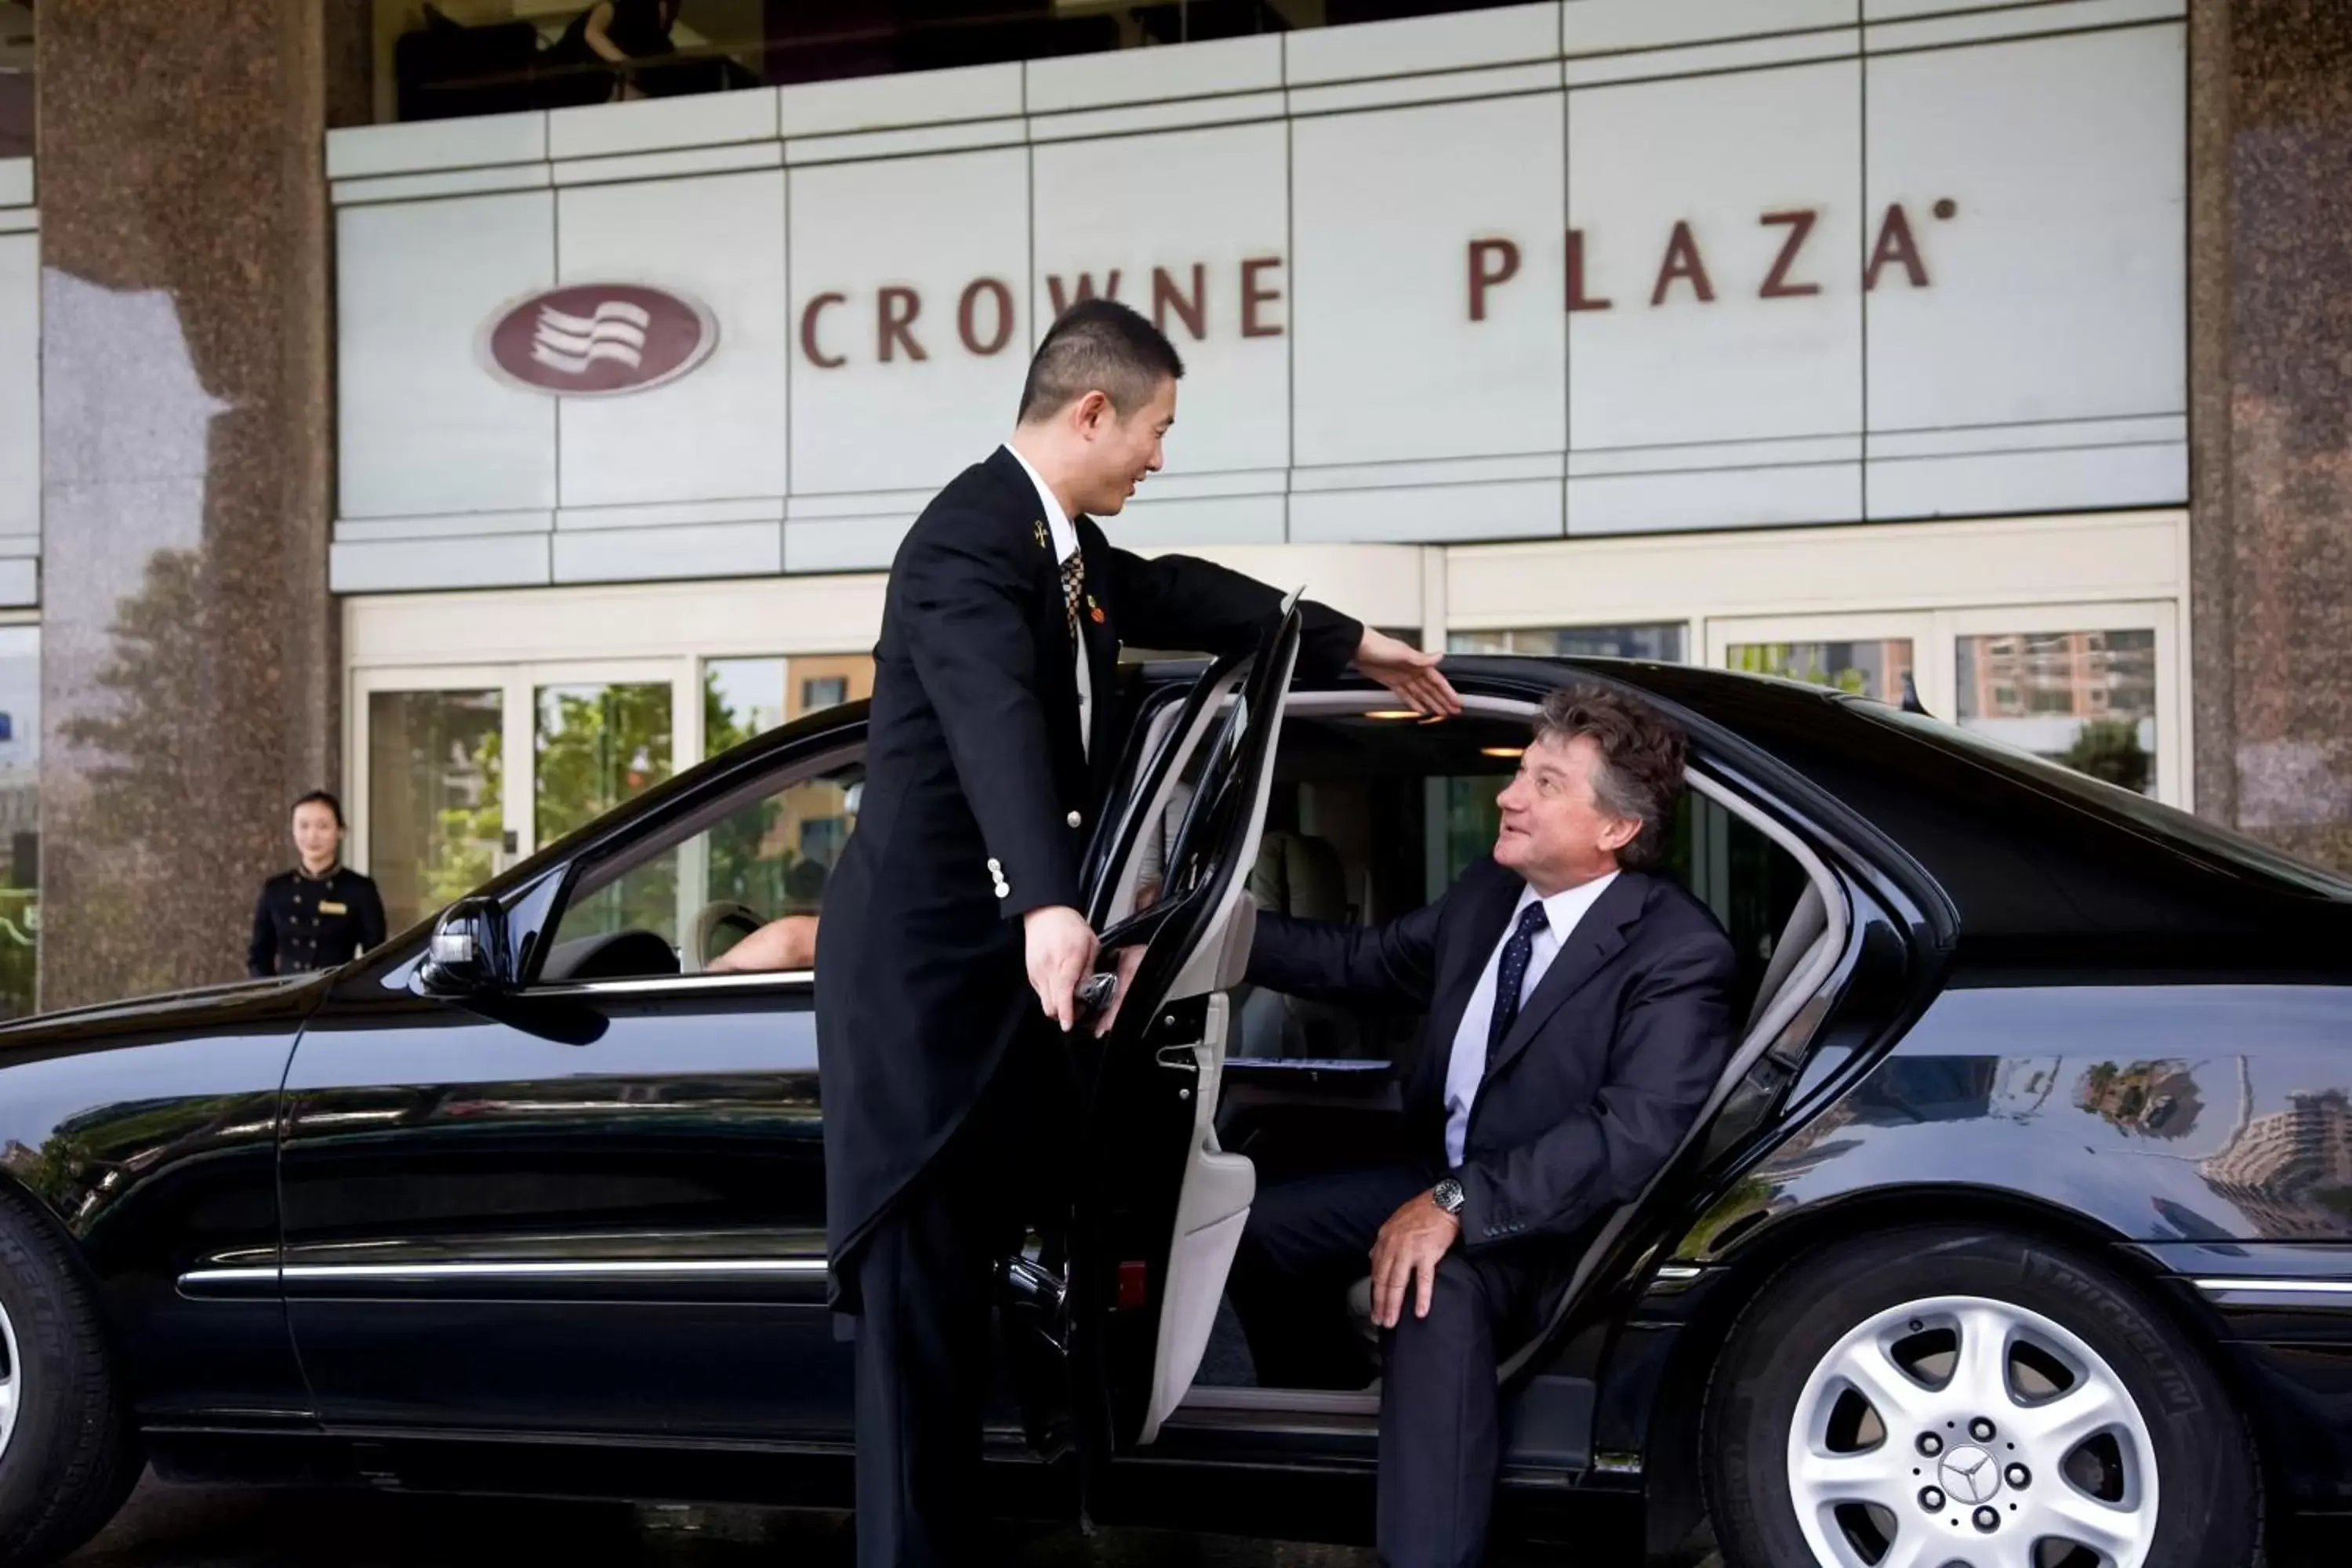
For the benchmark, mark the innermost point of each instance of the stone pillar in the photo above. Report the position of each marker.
(2270, 417)
(190, 661)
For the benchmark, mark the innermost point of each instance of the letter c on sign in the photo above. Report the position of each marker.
(817, 356)
(1492, 262)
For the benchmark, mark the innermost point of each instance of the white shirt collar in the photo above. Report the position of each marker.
(1057, 523)
(1563, 909)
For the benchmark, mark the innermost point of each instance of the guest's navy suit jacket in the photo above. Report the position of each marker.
(1601, 1075)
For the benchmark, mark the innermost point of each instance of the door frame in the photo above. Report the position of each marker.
(518, 684)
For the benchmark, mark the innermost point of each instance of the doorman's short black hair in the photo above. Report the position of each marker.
(1099, 345)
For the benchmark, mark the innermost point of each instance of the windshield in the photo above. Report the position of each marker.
(2194, 833)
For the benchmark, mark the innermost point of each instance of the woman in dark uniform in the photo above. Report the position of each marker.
(321, 913)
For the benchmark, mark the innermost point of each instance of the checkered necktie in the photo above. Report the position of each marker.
(1516, 955)
(1073, 576)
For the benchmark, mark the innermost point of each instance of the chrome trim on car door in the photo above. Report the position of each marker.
(239, 1281)
(2337, 1288)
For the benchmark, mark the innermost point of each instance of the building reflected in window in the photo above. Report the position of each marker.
(2086, 700)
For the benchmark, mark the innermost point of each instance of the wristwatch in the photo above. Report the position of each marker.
(1448, 1195)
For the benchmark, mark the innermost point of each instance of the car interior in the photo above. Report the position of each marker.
(1373, 813)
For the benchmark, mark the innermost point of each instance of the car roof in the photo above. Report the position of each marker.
(2040, 865)
(2035, 857)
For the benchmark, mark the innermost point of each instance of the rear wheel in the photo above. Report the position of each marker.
(1927, 1397)
(66, 1454)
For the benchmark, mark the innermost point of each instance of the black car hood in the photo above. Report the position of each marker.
(250, 1003)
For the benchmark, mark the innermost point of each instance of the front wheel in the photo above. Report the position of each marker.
(67, 1455)
(1920, 1398)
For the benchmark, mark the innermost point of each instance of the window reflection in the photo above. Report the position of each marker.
(2086, 700)
(596, 746)
(1661, 641)
(1877, 670)
(436, 809)
(776, 856)
(746, 697)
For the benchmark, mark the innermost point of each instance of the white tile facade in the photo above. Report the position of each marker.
(1862, 259)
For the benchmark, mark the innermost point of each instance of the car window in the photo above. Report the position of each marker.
(1372, 818)
(738, 893)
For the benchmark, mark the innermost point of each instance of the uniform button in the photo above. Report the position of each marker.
(1074, 819)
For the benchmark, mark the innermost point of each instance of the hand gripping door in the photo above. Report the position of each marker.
(1159, 1208)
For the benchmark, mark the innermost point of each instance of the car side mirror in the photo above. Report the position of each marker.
(468, 952)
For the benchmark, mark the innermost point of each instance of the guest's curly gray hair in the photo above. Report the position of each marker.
(1642, 759)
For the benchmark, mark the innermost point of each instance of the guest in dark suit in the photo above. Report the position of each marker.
(951, 944)
(1578, 1018)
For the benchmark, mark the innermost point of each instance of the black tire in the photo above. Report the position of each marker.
(73, 1456)
(2208, 1491)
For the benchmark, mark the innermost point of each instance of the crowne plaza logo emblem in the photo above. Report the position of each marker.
(598, 340)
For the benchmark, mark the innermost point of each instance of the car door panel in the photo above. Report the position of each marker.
(1159, 1205)
(600, 1210)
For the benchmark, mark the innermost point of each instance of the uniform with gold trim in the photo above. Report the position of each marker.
(303, 922)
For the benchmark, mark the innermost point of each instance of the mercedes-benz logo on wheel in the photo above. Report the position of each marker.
(1969, 1475)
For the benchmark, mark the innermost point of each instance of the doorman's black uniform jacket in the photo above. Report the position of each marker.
(302, 921)
(979, 800)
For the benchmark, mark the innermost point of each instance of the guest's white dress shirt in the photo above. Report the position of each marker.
(1065, 535)
(1467, 1068)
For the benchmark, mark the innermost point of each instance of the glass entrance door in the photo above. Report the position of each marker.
(601, 738)
(430, 822)
(467, 770)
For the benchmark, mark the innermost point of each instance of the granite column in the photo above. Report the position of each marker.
(190, 661)
(2270, 417)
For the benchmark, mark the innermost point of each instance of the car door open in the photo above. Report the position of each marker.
(1157, 1207)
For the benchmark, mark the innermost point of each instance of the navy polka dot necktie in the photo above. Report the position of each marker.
(1074, 577)
(1516, 955)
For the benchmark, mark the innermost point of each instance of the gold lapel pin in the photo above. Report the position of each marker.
(1041, 533)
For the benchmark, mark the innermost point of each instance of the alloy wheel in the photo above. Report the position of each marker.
(11, 1380)
(1964, 1430)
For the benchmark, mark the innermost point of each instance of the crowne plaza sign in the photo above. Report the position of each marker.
(898, 324)
(1938, 281)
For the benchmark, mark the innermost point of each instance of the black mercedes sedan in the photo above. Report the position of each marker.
(2016, 1231)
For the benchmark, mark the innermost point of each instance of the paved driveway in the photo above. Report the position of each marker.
(174, 1527)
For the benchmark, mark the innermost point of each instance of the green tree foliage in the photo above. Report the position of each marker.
(2109, 749)
(740, 867)
(597, 747)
